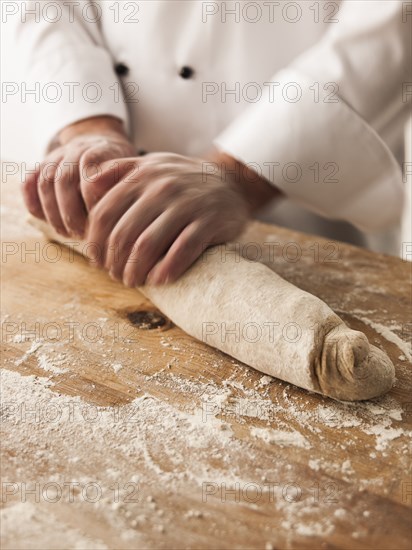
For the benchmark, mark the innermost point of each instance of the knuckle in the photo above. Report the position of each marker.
(89, 168)
(48, 169)
(165, 187)
(171, 158)
(152, 158)
(44, 184)
(90, 156)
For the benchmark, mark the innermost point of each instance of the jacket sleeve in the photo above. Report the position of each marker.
(328, 150)
(67, 72)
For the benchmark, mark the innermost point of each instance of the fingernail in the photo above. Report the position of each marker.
(152, 278)
(64, 233)
(129, 282)
(94, 261)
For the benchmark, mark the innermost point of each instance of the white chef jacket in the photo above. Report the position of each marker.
(312, 95)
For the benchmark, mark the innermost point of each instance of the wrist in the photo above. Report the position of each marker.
(96, 126)
(255, 189)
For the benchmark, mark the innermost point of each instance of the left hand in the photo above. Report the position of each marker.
(59, 190)
(163, 212)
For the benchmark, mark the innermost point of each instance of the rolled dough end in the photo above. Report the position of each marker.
(351, 369)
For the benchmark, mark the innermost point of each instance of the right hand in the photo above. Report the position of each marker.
(63, 189)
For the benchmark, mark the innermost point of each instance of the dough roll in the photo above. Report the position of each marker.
(249, 312)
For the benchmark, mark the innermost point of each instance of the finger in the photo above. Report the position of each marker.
(154, 201)
(103, 218)
(48, 197)
(127, 231)
(152, 245)
(185, 250)
(69, 199)
(97, 177)
(31, 195)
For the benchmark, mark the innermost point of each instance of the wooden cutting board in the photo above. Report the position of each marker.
(129, 433)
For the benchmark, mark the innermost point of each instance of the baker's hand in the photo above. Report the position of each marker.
(62, 190)
(160, 216)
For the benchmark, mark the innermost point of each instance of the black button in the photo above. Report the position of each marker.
(141, 152)
(186, 72)
(121, 69)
